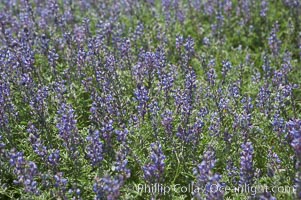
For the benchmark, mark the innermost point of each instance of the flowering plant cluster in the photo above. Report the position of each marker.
(99, 96)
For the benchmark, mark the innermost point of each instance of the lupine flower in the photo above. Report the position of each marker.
(38, 102)
(67, 128)
(223, 104)
(234, 90)
(274, 42)
(206, 41)
(197, 129)
(279, 78)
(53, 58)
(167, 82)
(264, 8)
(278, 124)
(190, 82)
(167, 121)
(125, 48)
(26, 80)
(189, 46)
(266, 67)
(294, 135)
(121, 164)
(60, 184)
(286, 65)
(227, 6)
(109, 186)
(212, 192)
(245, 7)
(80, 60)
(187, 135)
(247, 104)
(110, 63)
(243, 121)
(139, 31)
(60, 89)
(6, 105)
(203, 170)
(179, 41)
(256, 77)
(94, 148)
(75, 193)
(26, 172)
(107, 131)
(203, 112)
(2, 145)
(263, 99)
(166, 5)
(183, 102)
(209, 7)
(54, 158)
(205, 178)
(154, 108)
(274, 163)
(186, 100)
(233, 172)
(215, 124)
(246, 164)
(226, 66)
(154, 171)
(141, 95)
(36, 142)
(122, 135)
(292, 3)
(266, 196)
(211, 74)
(44, 44)
(79, 34)
(217, 27)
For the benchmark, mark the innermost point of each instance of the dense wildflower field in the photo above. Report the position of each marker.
(130, 99)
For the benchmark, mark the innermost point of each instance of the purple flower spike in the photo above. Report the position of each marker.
(246, 164)
(153, 172)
